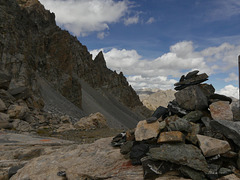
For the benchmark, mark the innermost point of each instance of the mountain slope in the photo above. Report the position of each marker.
(32, 46)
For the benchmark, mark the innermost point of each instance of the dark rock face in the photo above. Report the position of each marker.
(35, 46)
(192, 98)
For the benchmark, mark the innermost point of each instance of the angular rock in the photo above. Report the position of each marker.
(93, 121)
(138, 151)
(146, 130)
(119, 140)
(160, 111)
(22, 126)
(193, 116)
(179, 125)
(224, 171)
(184, 154)
(213, 171)
(193, 174)
(191, 81)
(219, 97)
(4, 81)
(192, 98)
(171, 136)
(174, 108)
(191, 74)
(152, 169)
(20, 92)
(17, 112)
(4, 117)
(2, 106)
(126, 147)
(151, 119)
(229, 129)
(221, 110)
(207, 89)
(192, 135)
(7, 98)
(211, 146)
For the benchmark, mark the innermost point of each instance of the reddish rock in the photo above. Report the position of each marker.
(171, 136)
(146, 130)
(221, 110)
(211, 146)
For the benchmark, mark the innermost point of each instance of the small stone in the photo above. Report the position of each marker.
(126, 147)
(146, 130)
(221, 110)
(22, 125)
(213, 171)
(192, 135)
(119, 139)
(211, 146)
(13, 170)
(192, 74)
(171, 136)
(159, 112)
(151, 119)
(193, 116)
(180, 125)
(17, 112)
(193, 174)
(174, 108)
(138, 151)
(229, 154)
(224, 171)
(2, 106)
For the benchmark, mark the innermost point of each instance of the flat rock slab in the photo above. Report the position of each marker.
(229, 129)
(171, 136)
(184, 154)
(146, 130)
(212, 146)
(221, 110)
(7, 138)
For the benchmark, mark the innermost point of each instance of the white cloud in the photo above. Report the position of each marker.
(231, 77)
(229, 90)
(102, 35)
(82, 17)
(181, 58)
(150, 20)
(131, 20)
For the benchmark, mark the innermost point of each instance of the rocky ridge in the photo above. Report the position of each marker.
(33, 47)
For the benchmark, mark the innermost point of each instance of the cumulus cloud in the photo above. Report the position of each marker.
(230, 90)
(82, 17)
(163, 71)
(231, 77)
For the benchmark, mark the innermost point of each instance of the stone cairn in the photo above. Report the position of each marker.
(196, 136)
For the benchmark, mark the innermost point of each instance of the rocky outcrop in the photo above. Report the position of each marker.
(32, 46)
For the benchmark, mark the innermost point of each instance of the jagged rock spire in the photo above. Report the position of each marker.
(100, 60)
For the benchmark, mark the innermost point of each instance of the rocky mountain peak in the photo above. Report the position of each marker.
(100, 60)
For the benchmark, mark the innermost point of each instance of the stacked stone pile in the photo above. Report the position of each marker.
(196, 136)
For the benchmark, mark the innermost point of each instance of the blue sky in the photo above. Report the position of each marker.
(154, 42)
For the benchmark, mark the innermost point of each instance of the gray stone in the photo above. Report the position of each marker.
(2, 106)
(22, 125)
(151, 119)
(174, 108)
(4, 80)
(213, 171)
(206, 121)
(7, 98)
(193, 116)
(207, 89)
(192, 98)
(4, 117)
(192, 135)
(180, 125)
(193, 174)
(211, 146)
(224, 171)
(126, 147)
(192, 74)
(20, 92)
(184, 154)
(229, 129)
(17, 112)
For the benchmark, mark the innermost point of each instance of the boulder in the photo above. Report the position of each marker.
(229, 129)
(184, 154)
(171, 136)
(93, 121)
(211, 146)
(192, 98)
(2, 106)
(17, 112)
(221, 110)
(146, 130)
(88, 161)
